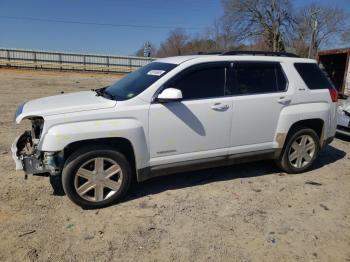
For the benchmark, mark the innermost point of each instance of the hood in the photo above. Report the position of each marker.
(64, 103)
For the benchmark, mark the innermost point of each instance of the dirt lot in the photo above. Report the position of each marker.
(248, 212)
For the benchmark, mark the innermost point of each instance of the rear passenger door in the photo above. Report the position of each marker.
(259, 95)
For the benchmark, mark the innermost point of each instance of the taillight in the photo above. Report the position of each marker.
(334, 94)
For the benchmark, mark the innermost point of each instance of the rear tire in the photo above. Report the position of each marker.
(96, 177)
(301, 149)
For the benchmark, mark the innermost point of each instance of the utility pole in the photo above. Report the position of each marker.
(147, 49)
(314, 24)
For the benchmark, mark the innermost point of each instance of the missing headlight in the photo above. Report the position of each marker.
(37, 127)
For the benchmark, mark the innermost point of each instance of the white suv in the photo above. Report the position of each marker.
(178, 114)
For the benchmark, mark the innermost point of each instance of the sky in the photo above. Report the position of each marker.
(118, 27)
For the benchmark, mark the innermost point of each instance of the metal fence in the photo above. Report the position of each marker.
(70, 61)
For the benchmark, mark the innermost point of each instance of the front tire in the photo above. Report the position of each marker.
(96, 177)
(300, 152)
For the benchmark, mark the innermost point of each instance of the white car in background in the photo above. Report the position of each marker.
(343, 117)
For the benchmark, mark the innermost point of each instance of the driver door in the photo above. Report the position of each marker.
(199, 125)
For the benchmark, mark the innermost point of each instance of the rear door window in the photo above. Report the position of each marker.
(313, 76)
(257, 78)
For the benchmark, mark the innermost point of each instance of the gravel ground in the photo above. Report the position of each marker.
(247, 212)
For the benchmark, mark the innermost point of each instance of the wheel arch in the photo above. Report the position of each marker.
(127, 133)
(120, 144)
(313, 115)
(316, 124)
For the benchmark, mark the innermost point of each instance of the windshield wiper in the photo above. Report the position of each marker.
(102, 92)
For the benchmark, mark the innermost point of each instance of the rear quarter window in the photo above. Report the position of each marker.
(313, 76)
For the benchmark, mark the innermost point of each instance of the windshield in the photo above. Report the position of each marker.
(137, 81)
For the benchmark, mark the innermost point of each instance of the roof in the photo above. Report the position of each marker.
(177, 59)
(211, 58)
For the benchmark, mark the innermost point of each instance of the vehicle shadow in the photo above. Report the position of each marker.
(156, 185)
(182, 112)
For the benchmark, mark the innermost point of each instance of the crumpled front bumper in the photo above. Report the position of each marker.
(18, 161)
(34, 163)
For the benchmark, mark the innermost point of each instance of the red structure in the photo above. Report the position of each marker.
(336, 63)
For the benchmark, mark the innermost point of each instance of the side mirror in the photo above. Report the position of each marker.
(169, 95)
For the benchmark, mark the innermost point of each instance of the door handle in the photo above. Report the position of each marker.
(219, 106)
(284, 100)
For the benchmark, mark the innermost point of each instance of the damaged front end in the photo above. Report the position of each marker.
(31, 160)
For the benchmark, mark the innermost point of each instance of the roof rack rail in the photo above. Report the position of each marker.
(209, 53)
(265, 53)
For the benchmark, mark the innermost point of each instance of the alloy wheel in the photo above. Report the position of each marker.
(302, 151)
(98, 179)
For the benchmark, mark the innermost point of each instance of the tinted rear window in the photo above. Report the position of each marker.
(313, 76)
(258, 78)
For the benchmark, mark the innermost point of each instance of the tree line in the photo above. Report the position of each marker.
(266, 25)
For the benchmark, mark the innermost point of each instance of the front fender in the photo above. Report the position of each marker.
(59, 136)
